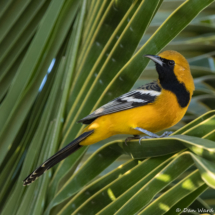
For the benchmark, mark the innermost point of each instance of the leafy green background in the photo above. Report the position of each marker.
(98, 49)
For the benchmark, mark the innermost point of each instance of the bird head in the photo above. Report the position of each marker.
(170, 65)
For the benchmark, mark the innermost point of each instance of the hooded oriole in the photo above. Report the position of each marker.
(150, 108)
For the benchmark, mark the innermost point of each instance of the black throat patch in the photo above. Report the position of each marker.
(169, 81)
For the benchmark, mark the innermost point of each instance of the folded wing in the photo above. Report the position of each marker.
(143, 95)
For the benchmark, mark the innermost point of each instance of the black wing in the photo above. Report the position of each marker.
(135, 98)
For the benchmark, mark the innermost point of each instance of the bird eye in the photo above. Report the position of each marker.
(171, 62)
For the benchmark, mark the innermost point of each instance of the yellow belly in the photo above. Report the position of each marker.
(162, 114)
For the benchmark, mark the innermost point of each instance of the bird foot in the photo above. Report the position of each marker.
(131, 138)
(152, 135)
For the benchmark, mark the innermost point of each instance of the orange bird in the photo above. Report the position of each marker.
(148, 109)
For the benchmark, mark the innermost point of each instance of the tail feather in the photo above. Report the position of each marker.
(56, 158)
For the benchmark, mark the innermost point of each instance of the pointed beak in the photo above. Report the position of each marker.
(155, 58)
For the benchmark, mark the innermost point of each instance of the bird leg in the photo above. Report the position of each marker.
(152, 135)
(131, 138)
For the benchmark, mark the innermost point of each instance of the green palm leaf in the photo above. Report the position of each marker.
(98, 49)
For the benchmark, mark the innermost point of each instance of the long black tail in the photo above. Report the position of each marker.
(56, 158)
